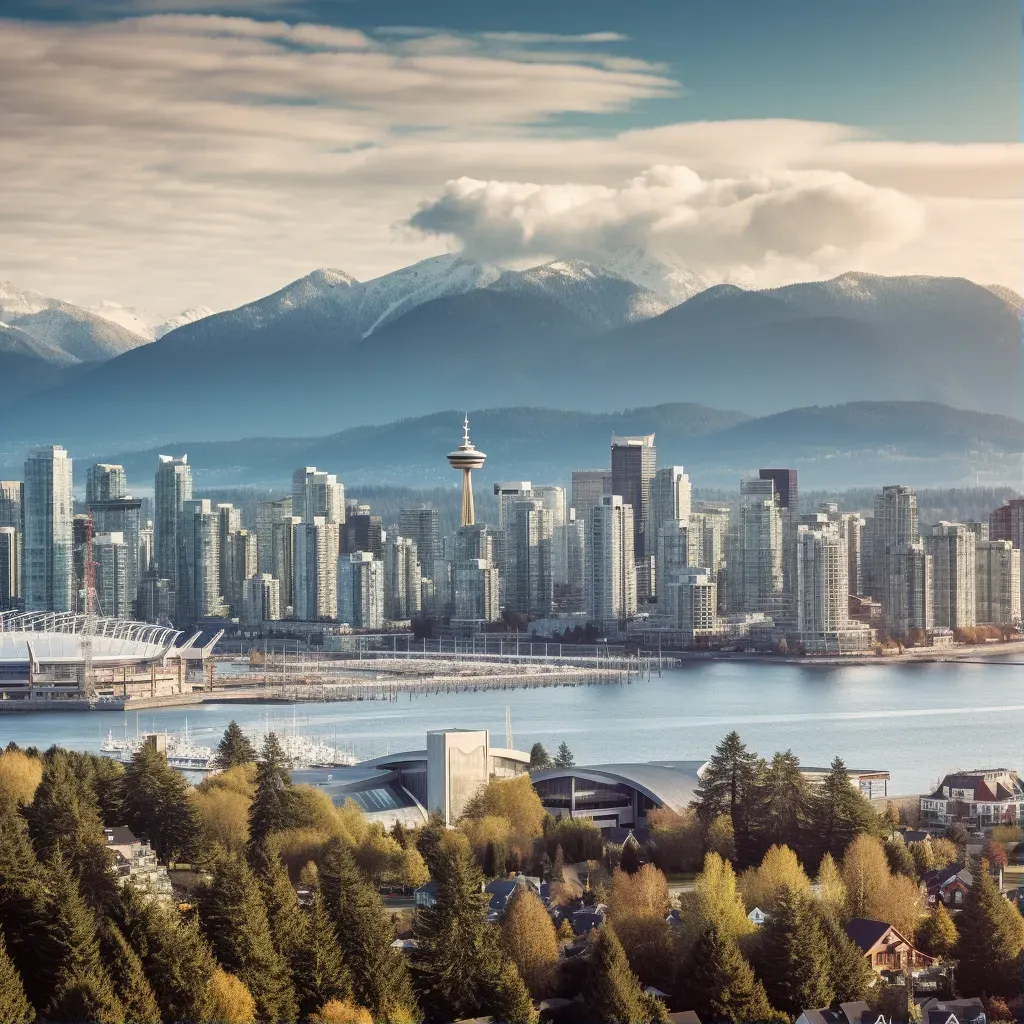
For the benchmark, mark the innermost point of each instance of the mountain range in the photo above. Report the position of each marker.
(856, 444)
(328, 352)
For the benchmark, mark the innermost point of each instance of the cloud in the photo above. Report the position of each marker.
(717, 225)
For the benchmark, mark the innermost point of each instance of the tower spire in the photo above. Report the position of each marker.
(467, 458)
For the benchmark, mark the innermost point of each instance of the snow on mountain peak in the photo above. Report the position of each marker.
(189, 316)
(124, 317)
(662, 271)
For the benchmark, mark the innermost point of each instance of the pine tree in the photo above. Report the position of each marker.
(612, 993)
(936, 935)
(82, 989)
(287, 921)
(539, 757)
(447, 962)
(838, 813)
(729, 787)
(129, 979)
(108, 785)
(990, 942)
(270, 810)
(14, 1005)
(380, 977)
(511, 1001)
(719, 984)
(429, 838)
(850, 975)
(157, 806)
(783, 802)
(564, 758)
(234, 918)
(23, 908)
(235, 748)
(319, 968)
(180, 969)
(793, 956)
(630, 861)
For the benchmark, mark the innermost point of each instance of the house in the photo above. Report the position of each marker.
(948, 885)
(953, 1011)
(501, 890)
(587, 919)
(757, 917)
(135, 862)
(684, 1017)
(980, 798)
(848, 1013)
(425, 895)
(885, 948)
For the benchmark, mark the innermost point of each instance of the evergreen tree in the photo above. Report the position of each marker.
(82, 989)
(429, 838)
(287, 921)
(729, 788)
(319, 968)
(235, 748)
(782, 805)
(23, 908)
(539, 757)
(936, 934)
(448, 962)
(850, 975)
(564, 758)
(180, 969)
(612, 993)
(235, 920)
(157, 806)
(511, 1001)
(380, 977)
(630, 860)
(108, 785)
(14, 1005)
(793, 956)
(991, 938)
(128, 977)
(270, 810)
(900, 859)
(719, 984)
(839, 813)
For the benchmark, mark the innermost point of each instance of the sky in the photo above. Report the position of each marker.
(165, 155)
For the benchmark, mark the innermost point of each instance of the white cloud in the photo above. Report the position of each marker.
(716, 225)
(184, 159)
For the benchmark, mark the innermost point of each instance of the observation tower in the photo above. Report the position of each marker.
(467, 458)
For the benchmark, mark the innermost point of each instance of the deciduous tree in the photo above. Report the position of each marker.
(529, 941)
(230, 1001)
(936, 933)
(831, 889)
(778, 872)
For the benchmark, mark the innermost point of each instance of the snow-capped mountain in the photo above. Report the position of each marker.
(188, 316)
(662, 272)
(130, 319)
(82, 335)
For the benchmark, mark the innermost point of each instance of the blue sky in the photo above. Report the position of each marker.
(163, 156)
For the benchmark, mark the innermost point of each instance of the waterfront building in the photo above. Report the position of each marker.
(10, 568)
(980, 799)
(475, 584)
(269, 513)
(261, 600)
(401, 579)
(612, 568)
(908, 601)
(529, 540)
(997, 590)
(755, 561)
(421, 526)
(692, 603)
(47, 556)
(316, 494)
(315, 569)
(172, 489)
(894, 526)
(952, 547)
(104, 482)
(361, 590)
(199, 595)
(634, 461)
(111, 557)
(467, 457)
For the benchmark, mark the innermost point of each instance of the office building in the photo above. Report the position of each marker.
(241, 564)
(229, 522)
(693, 602)
(952, 547)
(283, 560)
(261, 600)
(612, 567)
(363, 532)
(104, 482)
(123, 515)
(894, 526)
(10, 568)
(997, 590)
(316, 494)
(475, 585)
(1007, 522)
(361, 590)
(755, 559)
(110, 557)
(315, 570)
(420, 525)
(172, 489)
(198, 594)
(155, 602)
(475, 542)
(784, 481)
(47, 556)
(589, 488)
(269, 513)
(670, 500)
(908, 601)
(528, 536)
(401, 579)
(634, 461)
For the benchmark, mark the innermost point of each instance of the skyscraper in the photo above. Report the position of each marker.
(275, 510)
(10, 568)
(283, 561)
(577, 569)
(229, 522)
(997, 591)
(420, 525)
(553, 498)
(363, 532)
(11, 503)
(401, 579)
(589, 487)
(755, 558)
(476, 591)
(894, 526)
(529, 541)
(241, 565)
(952, 547)
(613, 573)
(172, 489)
(822, 595)
(670, 500)
(315, 570)
(261, 600)
(104, 482)
(122, 516)
(787, 494)
(317, 494)
(908, 594)
(110, 557)
(361, 590)
(198, 595)
(634, 460)
(47, 559)
(1007, 522)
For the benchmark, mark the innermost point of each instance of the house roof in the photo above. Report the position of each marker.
(120, 835)
(865, 932)
(684, 1017)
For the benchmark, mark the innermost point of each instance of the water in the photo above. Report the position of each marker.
(916, 721)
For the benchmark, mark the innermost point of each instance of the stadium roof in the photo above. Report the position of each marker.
(671, 784)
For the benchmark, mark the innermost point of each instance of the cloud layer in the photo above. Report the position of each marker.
(174, 160)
